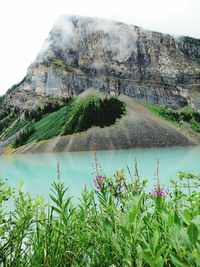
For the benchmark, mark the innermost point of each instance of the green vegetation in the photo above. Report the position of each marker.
(61, 64)
(2, 97)
(24, 135)
(93, 111)
(47, 108)
(117, 224)
(190, 40)
(52, 124)
(10, 131)
(186, 115)
(11, 123)
(167, 114)
(7, 121)
(77, 115)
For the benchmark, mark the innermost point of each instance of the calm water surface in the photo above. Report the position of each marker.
(38, 171)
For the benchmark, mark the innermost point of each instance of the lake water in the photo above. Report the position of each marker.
(38, 171)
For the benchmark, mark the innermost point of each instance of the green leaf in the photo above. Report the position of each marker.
(162, 250)
(132, 214)
(186, 216)
(57, 210)
(108, 226)
(184, 239)
(171, 219)
(177, 261)
(128, 262)
(160, 262)
(155, 240)
(196, 221)
(193, 233)
(148, 259)
(125, 231)
(177, 219)
(55, 200)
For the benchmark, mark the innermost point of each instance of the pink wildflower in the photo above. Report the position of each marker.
(163, 192)
(100, 178)
(158, 192)
(154, 192)
(96, 184)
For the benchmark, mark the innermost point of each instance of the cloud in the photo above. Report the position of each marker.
(61, 34)
(70, 31)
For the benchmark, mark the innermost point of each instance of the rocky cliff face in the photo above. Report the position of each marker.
(82, 53)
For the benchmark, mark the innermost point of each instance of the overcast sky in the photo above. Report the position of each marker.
(24, 24)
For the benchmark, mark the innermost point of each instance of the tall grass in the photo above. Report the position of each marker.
(118, 223)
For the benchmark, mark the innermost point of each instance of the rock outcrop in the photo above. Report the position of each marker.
(82, 53)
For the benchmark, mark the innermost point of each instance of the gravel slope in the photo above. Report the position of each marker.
(139, 128)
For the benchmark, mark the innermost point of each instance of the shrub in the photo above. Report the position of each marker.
(195, 125)
(186, 114)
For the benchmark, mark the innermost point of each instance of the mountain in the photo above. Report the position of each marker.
(112, 57)
(83, 53)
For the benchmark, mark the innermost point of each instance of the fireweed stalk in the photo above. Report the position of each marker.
(98, 182)
(158, 193)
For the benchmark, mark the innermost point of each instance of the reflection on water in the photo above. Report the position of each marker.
(38, 171)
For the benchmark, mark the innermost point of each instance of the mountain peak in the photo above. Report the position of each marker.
(70, 30)
(110, 56)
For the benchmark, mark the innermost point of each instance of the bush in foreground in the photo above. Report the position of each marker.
(117, 224)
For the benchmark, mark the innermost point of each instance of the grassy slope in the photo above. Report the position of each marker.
(78, 116)
(15, 127)
(74, 116)
(51, 125)
(163, 113)
(185, 115)
(93, 110)
(81, 113)
(8, 126)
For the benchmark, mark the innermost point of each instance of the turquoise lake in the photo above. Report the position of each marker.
(38, 171)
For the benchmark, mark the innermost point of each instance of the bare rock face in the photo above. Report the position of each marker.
(82, 53)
